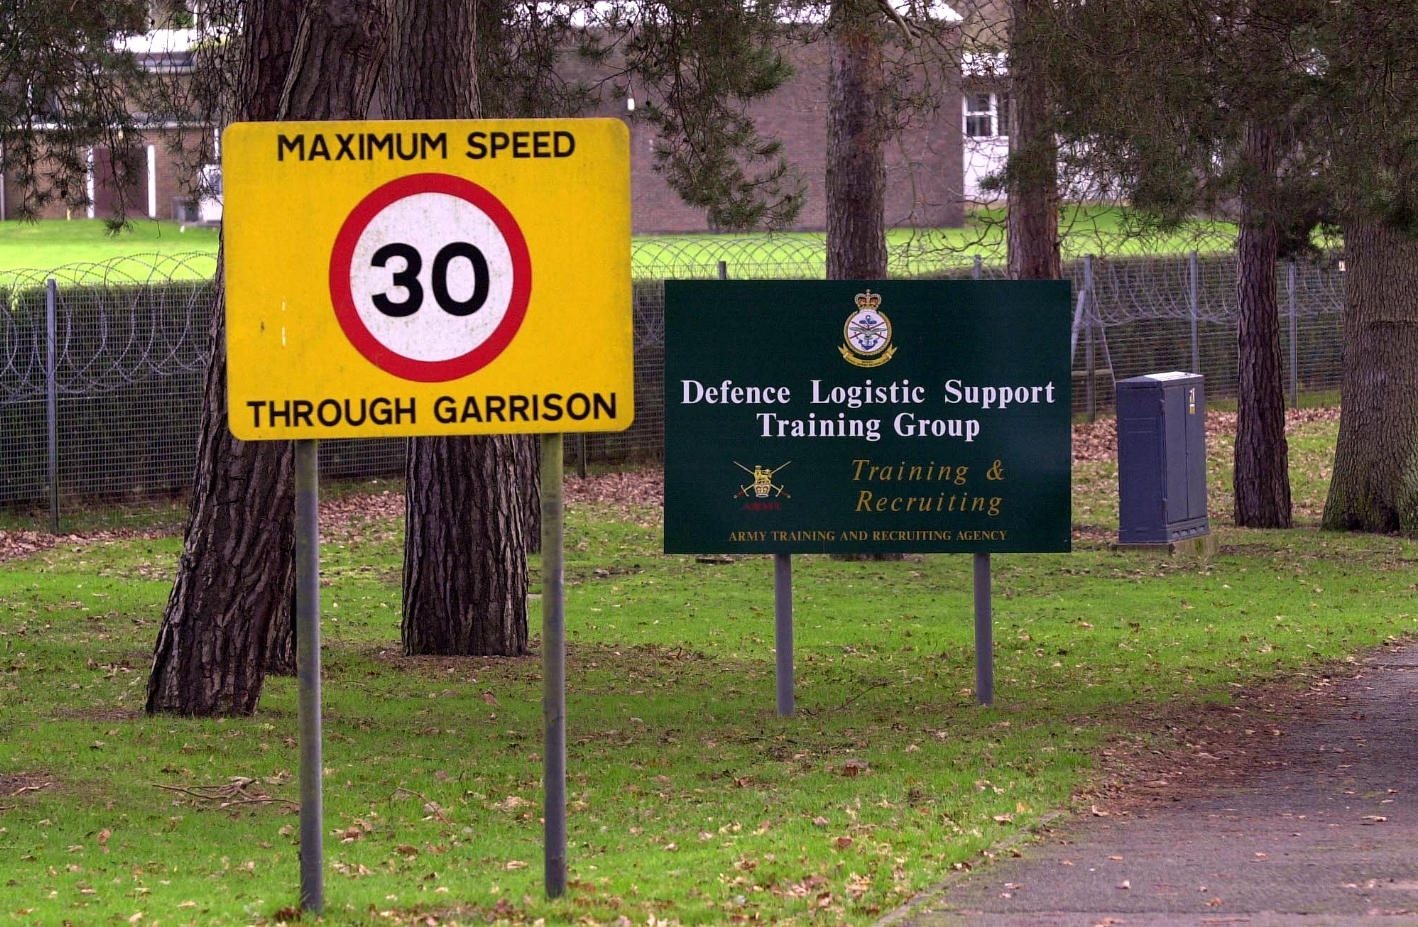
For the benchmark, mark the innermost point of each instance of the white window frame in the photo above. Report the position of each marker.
(985, 107)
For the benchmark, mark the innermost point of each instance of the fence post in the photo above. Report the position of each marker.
(51, 383)
(1294, 332)
(1194, 309)
(1089, 314)
(978, 270)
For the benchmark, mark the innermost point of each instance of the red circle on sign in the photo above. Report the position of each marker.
(347, 312)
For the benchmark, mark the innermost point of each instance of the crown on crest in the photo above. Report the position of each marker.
(868, 300)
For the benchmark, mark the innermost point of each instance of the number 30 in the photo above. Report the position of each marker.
(408, 279)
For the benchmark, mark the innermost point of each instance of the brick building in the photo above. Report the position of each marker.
(924, 162)
(161, 190)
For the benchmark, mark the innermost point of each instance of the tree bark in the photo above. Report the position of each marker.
(529, 469)
(280, 650)
(465, 542)
(237, 570)
(1374, 486)
(856, 144)
(465, 567)
(1032, 177)
(236, 577)
(1262, 471)
(856, 154)
(432, 70)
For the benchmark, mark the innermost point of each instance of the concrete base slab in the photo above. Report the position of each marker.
(1204, 546)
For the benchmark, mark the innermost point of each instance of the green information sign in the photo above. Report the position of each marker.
(867, 417)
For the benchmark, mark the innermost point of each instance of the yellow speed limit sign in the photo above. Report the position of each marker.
(389, 279)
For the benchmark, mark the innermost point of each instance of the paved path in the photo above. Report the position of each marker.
(1327, 837)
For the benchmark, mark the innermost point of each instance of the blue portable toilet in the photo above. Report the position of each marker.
(1161, 458)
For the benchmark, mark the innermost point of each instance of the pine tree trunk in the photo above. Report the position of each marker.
(465, 566)
(856, 145)
(432, 72)
(465, 542)
(1032, 225)
(529, 466)
(236, 578)
(1262, 471)
(237, 569)
(280, 652)
(856, 155)
(1374, 486)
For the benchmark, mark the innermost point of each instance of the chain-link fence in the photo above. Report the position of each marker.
(100, 367)
(1134, 313)
(101, 371)
(1137, 316)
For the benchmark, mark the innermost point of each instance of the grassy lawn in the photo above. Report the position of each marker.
(1096, 230)
(145, 248)
(690, 801)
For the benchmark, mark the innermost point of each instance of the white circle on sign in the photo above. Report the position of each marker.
(430, 277)
(429, 223)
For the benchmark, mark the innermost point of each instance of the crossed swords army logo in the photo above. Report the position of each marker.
(762, 485)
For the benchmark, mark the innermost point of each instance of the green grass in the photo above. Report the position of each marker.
(144, 247)
(1099, 230)
(49, 245)
(690, 801)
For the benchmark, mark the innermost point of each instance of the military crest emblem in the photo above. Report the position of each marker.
(761, 486)
(867, 333)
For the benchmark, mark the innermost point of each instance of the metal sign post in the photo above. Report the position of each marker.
(307, 660)
(398, 279)
(553, 667)
(783, 631)
(984, 633)
(782, 612)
